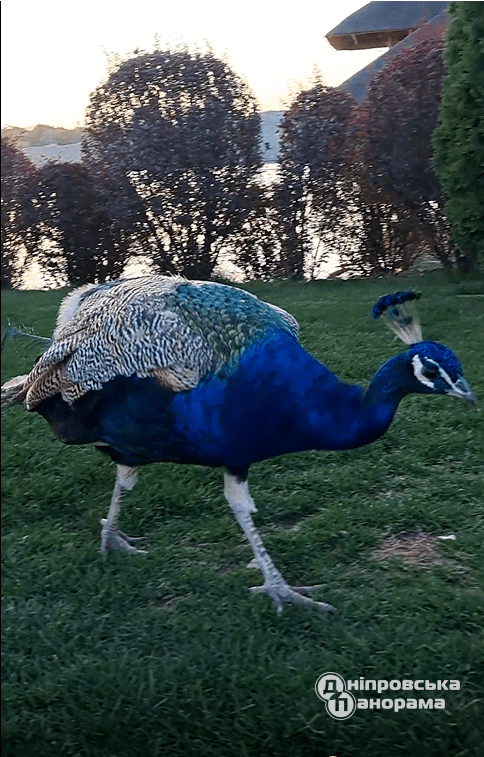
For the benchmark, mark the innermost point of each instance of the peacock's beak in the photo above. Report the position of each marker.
(462, 389)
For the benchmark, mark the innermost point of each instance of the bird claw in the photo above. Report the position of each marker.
(118, 541)
(280, 592)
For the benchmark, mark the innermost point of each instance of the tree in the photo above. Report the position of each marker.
(385, 237)
(255, 247)
(315, 190)
(177, 134)
(359, 180)
(458, 139)
(72, 236)
(393, 158)
(16, 170)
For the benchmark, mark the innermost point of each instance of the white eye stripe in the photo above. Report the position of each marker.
(447, 378)
(418, 369)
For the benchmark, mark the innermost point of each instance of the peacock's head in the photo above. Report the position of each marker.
(437, 371)
(433, 368)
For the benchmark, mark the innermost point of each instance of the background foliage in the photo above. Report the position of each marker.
(16, 171)
(68, 231)
(316, 192)
(178, 131)
(171, 174)
(400, 197)
(459, 137)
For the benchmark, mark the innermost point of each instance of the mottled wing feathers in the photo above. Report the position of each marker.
(172, 329)
(229, 319)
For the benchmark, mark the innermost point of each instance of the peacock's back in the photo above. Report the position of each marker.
(174, 330)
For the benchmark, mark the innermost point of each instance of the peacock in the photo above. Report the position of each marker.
(161, 368)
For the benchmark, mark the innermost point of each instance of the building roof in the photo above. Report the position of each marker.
(382, 24)
(357, 84)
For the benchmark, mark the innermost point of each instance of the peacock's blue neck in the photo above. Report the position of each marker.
(346, 416)
(380, 401)
(294, 403)
(390, 383)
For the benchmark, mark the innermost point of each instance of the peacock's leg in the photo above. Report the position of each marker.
(237, 494)
(111, 537)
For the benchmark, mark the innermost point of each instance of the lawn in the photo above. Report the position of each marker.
(169, 653)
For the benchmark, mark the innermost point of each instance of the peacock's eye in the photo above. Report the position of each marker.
(430, 372)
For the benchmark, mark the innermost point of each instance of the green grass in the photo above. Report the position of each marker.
(169, 654)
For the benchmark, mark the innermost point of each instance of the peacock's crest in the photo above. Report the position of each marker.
(399, 313)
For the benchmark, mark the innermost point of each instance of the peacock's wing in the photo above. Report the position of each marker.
(174, 330)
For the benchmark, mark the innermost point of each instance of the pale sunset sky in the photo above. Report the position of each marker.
(54, 52)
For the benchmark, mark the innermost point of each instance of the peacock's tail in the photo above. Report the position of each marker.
(14, 390)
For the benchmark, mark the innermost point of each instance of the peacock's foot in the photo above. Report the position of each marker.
(280, 592)
(114, 539)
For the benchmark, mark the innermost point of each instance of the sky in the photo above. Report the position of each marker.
(55, 52)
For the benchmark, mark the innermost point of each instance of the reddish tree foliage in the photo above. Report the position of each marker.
(359, 180)
(393, 154)
(315, 188)
(71, 236)
(398, 115)
(177, 133)
(16, 171)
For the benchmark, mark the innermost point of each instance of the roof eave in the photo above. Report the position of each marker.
(368, 40)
